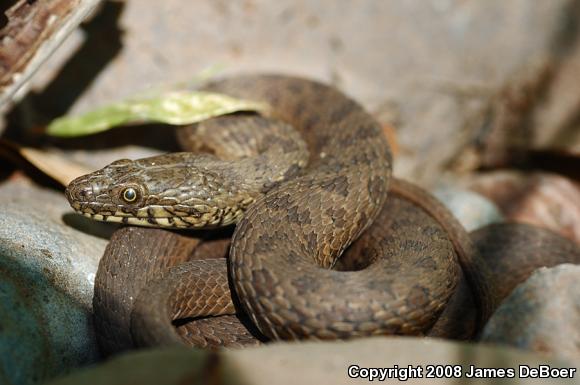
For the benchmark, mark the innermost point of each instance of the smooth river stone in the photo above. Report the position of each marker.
(47, 269)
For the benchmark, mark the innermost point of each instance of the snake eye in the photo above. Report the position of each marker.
(129, 194)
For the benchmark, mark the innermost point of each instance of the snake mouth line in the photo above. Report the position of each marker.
(165, 222)
(144, 221)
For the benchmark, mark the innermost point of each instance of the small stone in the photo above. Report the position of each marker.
(473, 210)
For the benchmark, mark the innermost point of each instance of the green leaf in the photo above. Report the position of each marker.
(174, 107)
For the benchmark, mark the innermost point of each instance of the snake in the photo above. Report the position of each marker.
(317, 250)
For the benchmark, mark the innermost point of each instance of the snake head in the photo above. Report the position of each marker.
(175, 190)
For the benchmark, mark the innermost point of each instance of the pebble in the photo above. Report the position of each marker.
(473, 210)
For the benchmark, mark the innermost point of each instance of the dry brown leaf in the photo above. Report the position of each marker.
(53, 164)
(50, 162)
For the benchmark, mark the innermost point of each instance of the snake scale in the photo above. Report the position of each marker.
(302, 184)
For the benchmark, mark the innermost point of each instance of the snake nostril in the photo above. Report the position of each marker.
(85, 193)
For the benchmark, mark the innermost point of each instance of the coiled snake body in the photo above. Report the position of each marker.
(303, 204)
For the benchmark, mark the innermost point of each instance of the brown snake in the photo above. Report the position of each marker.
(299, 217)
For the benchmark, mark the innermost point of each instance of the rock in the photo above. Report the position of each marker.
(541, 315)
(430, 69)
(307, 363)
(543, 199)
(47, 269)
(555, 121)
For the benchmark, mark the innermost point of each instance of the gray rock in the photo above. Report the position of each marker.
(542, 314)
(47, 269)
(471, 209)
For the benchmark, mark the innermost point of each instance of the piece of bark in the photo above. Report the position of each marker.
(33, 31)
